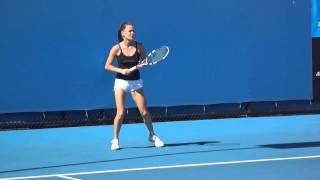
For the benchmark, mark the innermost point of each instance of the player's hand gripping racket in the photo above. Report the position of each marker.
(154, 57)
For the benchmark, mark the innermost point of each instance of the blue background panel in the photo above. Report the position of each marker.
(53, 53)
(315, 18)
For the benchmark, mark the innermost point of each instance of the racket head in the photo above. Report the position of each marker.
(157, 55)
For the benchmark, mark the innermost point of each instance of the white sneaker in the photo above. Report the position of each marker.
(156, 140)
(115, 144)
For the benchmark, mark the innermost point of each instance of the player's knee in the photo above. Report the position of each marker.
(144, 113)
(120, 114)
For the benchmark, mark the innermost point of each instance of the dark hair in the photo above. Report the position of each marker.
(121, 28)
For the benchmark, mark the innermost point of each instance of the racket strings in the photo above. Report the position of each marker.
(157, 55)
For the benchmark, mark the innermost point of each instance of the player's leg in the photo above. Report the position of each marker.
(118, 119)
(139, 98)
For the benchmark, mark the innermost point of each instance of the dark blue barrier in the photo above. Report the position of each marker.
(80, 115)
(260, 108)
(159, 114)
(295, 106)
(53, 116)
(21, 120)
(95, 114)
(225, 108)
(185, 110)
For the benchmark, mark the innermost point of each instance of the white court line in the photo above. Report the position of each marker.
(66, 177)
(165, 167)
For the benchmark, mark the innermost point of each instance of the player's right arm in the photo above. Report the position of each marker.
(109, 62)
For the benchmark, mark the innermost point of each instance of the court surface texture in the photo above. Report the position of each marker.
(275, 147)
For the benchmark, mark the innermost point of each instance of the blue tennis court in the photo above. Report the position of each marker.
(237, 97)
(283, 147)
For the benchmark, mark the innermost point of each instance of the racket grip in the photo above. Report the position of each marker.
(133, 68)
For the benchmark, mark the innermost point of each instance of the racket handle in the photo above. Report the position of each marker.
(133, 68)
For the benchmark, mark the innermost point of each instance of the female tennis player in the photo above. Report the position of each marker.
(128, 52)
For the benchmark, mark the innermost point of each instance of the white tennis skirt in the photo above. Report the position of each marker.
(128, 85)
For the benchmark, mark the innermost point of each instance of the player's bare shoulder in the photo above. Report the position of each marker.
(115, 50)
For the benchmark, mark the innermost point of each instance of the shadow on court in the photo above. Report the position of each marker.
(292, 145)
(200, 143)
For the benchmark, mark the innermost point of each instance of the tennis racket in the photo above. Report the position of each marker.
(154, 57)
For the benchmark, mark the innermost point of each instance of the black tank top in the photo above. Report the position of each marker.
(128, 62)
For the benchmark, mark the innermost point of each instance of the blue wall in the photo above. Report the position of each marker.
(52, 52)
